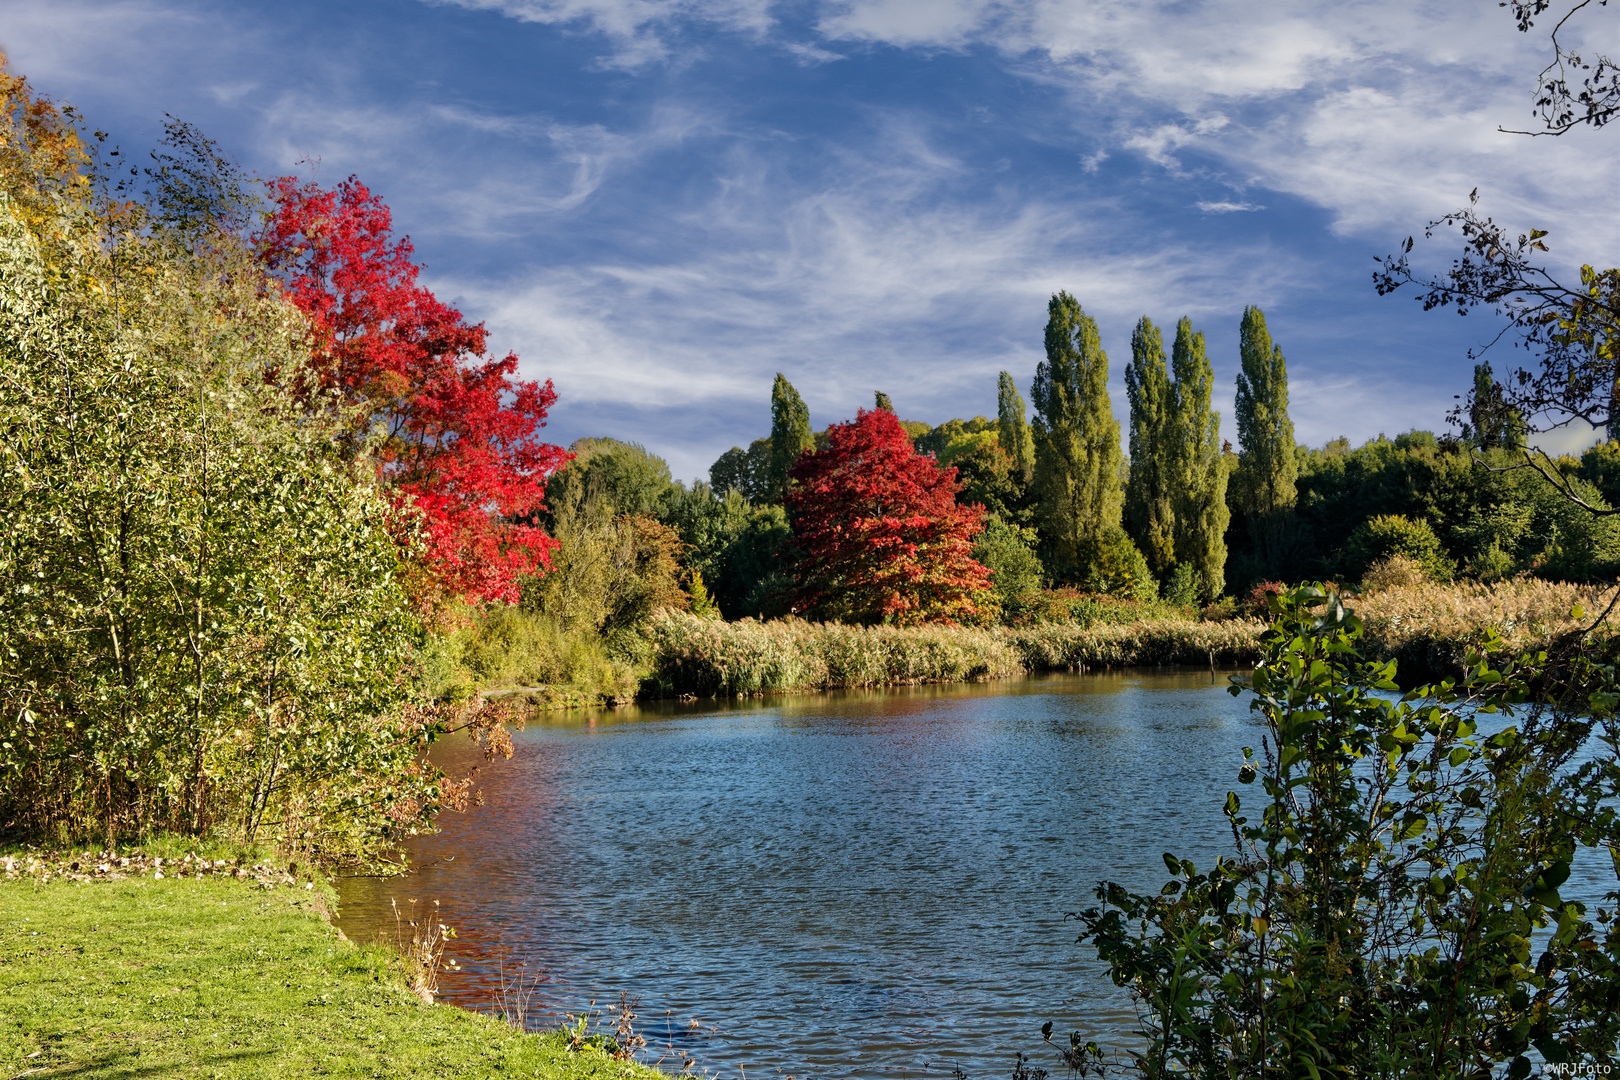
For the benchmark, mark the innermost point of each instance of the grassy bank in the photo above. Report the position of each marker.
(210, 975)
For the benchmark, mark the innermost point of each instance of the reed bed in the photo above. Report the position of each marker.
(704, 657)
(1428, 628)
(1151, 642)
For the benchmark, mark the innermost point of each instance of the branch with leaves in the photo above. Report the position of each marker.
(1595, 99)
(1575, 329)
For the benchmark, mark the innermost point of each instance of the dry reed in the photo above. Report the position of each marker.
(706, 657)
(1426, 627)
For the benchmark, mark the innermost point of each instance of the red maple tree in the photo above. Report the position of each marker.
(881, 535)
(462, 446)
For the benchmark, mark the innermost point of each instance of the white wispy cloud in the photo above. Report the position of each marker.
(637, 29)
(1226, 207)
(871, 282)
(1385, 114)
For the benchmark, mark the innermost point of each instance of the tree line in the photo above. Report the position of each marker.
(1172, 512)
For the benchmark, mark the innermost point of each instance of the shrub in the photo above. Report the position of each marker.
(1115, 566)
(1392, 571)
(1258, 602)
(1184, 585)
(1401, 918)
(1394, 534)
(1008, 552)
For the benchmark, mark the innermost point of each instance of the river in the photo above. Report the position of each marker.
(854, 884)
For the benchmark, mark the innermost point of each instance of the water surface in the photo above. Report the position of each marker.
(843, 885)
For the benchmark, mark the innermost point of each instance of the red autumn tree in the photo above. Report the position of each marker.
(462, 443)
(882, 537)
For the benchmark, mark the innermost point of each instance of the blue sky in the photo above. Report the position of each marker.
(660, 203)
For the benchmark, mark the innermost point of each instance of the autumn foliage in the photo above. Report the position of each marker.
(882, 537)
(460, 440)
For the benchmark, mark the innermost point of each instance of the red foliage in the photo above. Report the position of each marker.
(882, 537)
(1259, 599)
(462, 445)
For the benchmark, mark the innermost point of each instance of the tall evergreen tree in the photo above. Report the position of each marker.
(884, 403)
(1077, 452)
(790, 434)
(1013, 429)
(1198, 471)
(1149, 506)
(1267, 468)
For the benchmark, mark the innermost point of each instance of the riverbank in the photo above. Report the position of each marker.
(1427, 628)
(214, 975)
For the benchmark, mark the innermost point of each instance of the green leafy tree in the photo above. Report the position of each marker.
(1600, 467)
(1267, 471)
(1150, 491)
(1013, 429)
(1198, 468)
(746, 471)
(631, 479)
(1008, 552)
(883, 402)
(936, 440)
(202, 625)
(1265, 484)
(1077, 452)
(988, 479)
(1386, 535)
(790, 435)
(756, 579)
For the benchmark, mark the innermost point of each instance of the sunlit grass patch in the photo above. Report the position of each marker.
(216, 978)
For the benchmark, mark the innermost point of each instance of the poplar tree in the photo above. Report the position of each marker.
(1267, 469)
(884, 403)
(1077, 453)
(790, 434)
(1149, 509)
(1013, 430)
(1198, 472)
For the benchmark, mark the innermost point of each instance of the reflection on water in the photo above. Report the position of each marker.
(844, 885)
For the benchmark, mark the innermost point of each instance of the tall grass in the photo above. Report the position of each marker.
(1148, 642)
(704, 657)
(1428, 628)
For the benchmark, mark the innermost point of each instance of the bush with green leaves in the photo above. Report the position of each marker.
(1394, 905)
(1009, 553)
(201, 623)
(1184, 585)
(1384, 535)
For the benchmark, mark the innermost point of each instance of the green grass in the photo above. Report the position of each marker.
(213, 978)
